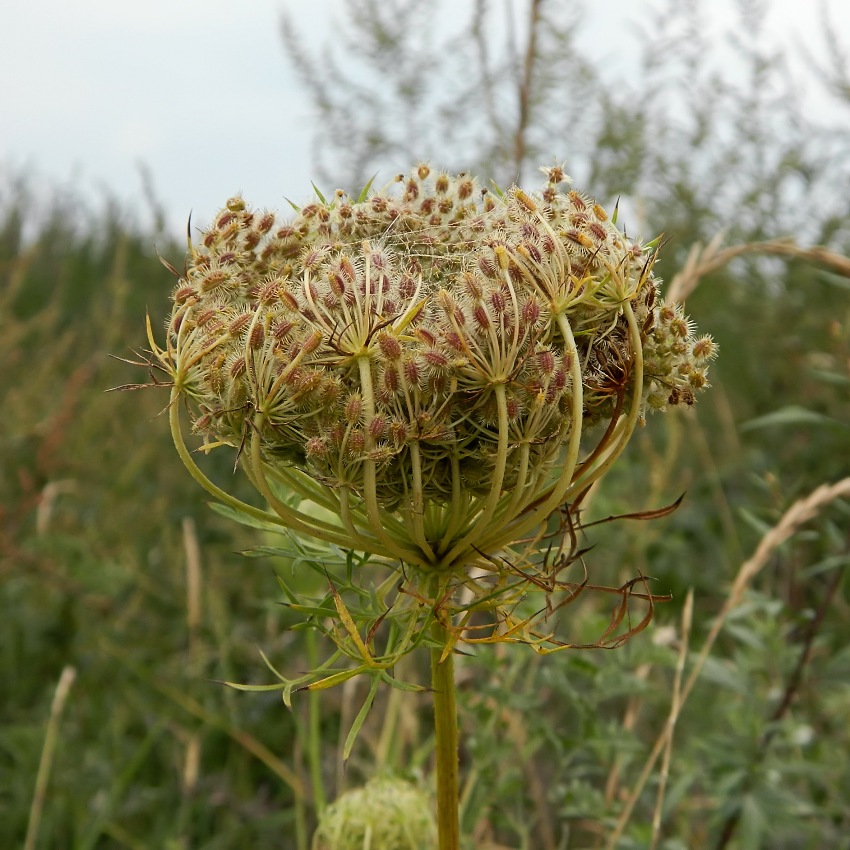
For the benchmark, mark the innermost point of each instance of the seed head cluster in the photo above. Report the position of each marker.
(432, 352)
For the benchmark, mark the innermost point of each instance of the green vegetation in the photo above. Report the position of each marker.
(111, 563)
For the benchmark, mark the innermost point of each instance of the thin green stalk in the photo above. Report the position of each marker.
(300, 812)
(386, 749)
(314, 737)
(512, 530)
(445, 728)
(497, 480)
(379, 520)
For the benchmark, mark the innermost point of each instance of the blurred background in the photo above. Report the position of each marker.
(724, 126)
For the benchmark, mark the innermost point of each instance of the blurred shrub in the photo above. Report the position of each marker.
(93, 566)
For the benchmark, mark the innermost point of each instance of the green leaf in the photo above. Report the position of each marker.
(725, 674)
(312, 610)
(361, 717)
(335, 679)
(267, 551)
(834, 378)
(364, 192)
(289, 594)
(401, 685)
(319, 195)
(792, 415)
(745, 635)
(753, 824)
(832, 563)
(756, 523)
(273, 525)
(834, 279)
(271, 667)
(259, 688)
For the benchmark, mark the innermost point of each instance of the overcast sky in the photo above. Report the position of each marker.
(201, 92)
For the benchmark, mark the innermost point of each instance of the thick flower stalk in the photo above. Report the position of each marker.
(418, 368)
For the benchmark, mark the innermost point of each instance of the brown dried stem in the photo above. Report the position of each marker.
(51, 737)
(704, 260)
(675, 707)
(525, 81)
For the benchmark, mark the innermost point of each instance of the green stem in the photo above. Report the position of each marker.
(445, 727)
(314, 737)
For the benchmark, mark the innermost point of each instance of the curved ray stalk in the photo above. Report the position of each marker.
(417, 507)
(457, 514)
(305, 487)
(345, 510)
(294, 518)
(225, 498)
(520, 490)
(483, 519)
(623, 434)
(370, 495)
(554, 496)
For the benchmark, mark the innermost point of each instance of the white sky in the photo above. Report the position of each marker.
(201, 92)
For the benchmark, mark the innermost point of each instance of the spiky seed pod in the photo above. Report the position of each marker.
(430, 356)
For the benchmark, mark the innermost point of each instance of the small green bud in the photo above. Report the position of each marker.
(385, 814)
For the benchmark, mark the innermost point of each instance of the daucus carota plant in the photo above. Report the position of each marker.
(427, 375)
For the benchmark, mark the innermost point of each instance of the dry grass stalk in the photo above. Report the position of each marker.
(193, 584)
(797, 515)
(192, 759)
(675, 707)
(51, 737)
(704, 260)
(630, 717)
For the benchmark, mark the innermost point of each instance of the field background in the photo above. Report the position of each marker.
(113, 565)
